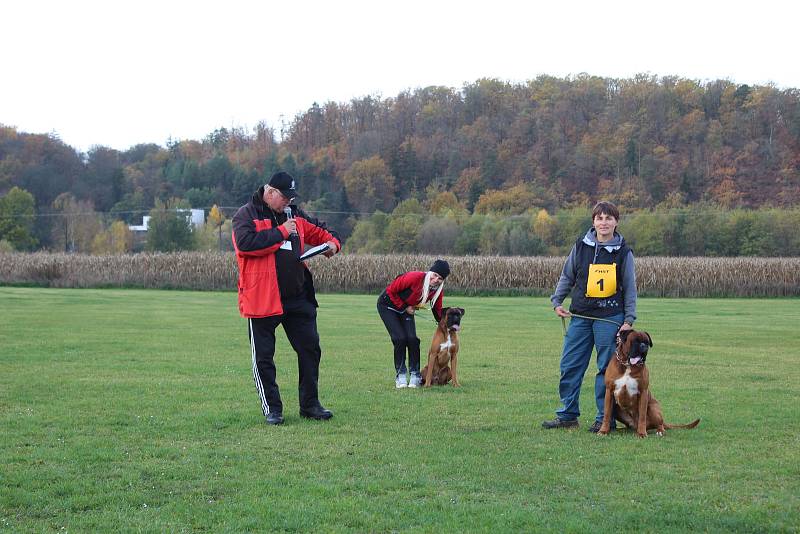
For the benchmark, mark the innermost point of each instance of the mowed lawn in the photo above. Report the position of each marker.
(133, 410)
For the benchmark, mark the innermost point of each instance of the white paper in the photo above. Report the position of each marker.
(310, 253)
(287, 245)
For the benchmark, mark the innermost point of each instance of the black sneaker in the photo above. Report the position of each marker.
(316, 412)
(595, 428)
(560, 423)
(275, 418)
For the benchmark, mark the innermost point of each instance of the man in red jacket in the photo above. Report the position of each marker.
(275, 287)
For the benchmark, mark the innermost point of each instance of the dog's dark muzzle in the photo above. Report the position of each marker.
(453, 319)
(638, 353)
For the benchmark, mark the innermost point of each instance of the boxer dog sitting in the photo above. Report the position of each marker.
(628, 395)
(444, 350)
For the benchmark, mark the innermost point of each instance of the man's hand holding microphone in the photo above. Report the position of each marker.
(291, 226)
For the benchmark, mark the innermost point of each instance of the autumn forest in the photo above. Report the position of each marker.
(697, 168)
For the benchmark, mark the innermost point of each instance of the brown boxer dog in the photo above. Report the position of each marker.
(444, 350)
(628, 394)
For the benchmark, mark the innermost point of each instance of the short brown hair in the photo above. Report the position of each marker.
(605, 207)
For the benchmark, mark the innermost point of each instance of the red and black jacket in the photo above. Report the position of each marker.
(257, 235)
(406, 290)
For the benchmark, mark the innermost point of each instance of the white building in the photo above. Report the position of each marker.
(140, 227)
(195, 216)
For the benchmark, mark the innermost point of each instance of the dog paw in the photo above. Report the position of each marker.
(602, 433)
(642, 436)
(659, 434)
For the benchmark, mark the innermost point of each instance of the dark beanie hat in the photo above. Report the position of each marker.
(441, 267)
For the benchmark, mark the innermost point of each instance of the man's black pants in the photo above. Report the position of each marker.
(403, 333)
(299, 321)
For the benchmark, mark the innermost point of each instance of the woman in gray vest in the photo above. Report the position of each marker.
(599, 274)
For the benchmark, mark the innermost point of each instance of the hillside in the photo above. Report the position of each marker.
(551, 142)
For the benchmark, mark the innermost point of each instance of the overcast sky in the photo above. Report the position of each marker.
(119, 72)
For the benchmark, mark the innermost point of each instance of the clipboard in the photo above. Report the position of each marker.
(315, 251)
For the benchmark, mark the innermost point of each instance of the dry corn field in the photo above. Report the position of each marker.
(673, 277)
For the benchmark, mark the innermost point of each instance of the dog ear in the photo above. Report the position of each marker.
(649, 339)
(623, 335)
(461, 310)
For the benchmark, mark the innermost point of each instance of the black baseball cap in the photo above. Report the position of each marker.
(283, 182)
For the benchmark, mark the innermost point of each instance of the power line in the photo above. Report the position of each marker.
(229, 209)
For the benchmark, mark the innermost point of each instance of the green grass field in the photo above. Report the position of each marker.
(131, 410)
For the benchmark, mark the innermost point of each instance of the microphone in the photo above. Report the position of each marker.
(288, 211)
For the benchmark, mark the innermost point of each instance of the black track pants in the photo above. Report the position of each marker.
(403, 333)
(299, 321)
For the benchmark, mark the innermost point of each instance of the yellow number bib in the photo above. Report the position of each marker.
(602, 280)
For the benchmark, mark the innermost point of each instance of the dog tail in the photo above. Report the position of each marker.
(690, 425)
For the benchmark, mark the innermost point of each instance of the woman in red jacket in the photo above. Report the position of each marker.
(396, 306)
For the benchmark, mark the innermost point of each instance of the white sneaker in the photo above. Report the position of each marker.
(416, 380)
(401, 381)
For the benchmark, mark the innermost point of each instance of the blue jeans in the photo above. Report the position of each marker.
(582, 336)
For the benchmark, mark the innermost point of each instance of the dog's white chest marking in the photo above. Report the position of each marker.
(446, 345)
(628, 382)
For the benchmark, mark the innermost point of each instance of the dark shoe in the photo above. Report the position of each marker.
(560, 423)
(274, 418)
(317, 412)
(595, 428)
